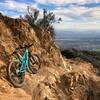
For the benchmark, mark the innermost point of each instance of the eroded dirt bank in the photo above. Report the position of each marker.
(58, 78)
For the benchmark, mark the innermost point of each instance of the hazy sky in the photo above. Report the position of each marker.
(76, 14)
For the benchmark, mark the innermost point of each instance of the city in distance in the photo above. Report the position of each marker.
(79, 39)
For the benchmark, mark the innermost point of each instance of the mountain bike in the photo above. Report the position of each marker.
(18, 67)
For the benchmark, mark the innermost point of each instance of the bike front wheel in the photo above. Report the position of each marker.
(14, 75)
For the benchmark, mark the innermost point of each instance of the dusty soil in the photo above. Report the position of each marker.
(58, 78)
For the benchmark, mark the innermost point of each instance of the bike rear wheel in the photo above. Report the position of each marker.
(14, 75)
(35, 63)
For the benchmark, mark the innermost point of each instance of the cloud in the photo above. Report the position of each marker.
(15, 6)
(77, 26)
(73, 15)
(41, 1)
(78, 17)
(78, 13)
(63, 2)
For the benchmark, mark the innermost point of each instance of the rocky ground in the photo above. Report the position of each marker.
(57, 79)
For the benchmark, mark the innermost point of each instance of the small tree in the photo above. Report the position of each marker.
(46, 22)
(32, 15)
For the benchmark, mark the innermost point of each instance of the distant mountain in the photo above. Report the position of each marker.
(77, 34)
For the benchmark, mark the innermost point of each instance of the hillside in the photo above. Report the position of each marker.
(92, 57)
(57, 79)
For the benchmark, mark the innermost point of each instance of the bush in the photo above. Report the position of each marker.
(45, 23)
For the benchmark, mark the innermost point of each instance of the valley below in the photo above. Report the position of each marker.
(84, 40)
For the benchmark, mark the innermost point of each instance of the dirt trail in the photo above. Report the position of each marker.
(58, 78)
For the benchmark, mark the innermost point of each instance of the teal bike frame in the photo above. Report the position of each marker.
(24, 59)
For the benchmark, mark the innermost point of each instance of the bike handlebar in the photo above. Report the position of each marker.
(25, 46)
(22, 47)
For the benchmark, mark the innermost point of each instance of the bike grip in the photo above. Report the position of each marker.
(29, 45)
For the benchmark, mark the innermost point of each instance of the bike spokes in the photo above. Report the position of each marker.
(15, 76)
